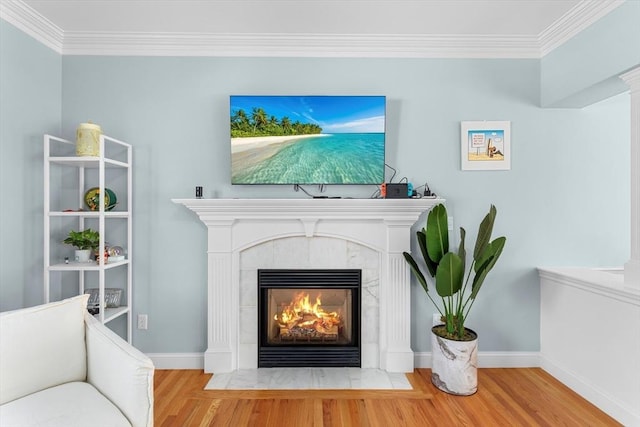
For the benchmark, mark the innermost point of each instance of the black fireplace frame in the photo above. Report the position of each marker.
(301, 355)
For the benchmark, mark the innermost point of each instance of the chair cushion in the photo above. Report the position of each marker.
(75, 404)
(42, 347)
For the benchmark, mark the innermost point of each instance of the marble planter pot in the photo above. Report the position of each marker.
(454, 365)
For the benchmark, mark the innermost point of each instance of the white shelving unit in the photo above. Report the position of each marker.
(66, 179)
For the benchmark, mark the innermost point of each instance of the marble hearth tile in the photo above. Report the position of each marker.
(247, 379)
(257, 256)
(362, 256)
(248, 325)
(369, 379)
(303, 252)
(248, 355)
(248, 288)
(330, 378)
(290, 378)
(399, 381)
(291, 252)
(309, 379)
(326, 252)
(370, 276)
(369, 325)
(370, 355)
(370, 292)
(220, 381)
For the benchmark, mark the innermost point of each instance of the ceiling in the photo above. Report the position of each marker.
(531, 27)
(508, 17)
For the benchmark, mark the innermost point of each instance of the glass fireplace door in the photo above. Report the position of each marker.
(309, 318)
(303, 316)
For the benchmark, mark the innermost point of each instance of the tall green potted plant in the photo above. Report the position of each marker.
(85, 242)
(453, 346)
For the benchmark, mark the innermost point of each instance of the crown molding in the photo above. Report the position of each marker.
(632, 78)
(300, 45)
(574, 21)
(37, 26)
(29, 21)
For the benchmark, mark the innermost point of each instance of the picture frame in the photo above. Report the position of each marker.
(485, 145)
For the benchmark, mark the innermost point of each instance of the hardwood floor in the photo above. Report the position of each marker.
(505, 397)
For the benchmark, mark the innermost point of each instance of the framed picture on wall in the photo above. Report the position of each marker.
(485, 145)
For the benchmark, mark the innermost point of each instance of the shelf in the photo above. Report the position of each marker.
(87, 162)
(70, 173)
(85, 266)
(112, 313)
(90, 214)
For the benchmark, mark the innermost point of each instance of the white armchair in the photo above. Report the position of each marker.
(61, 367)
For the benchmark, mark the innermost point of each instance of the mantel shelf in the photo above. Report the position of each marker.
(364, 209)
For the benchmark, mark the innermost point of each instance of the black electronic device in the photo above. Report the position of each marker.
(395, 191)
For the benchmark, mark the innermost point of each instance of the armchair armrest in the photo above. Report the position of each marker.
(121, 372)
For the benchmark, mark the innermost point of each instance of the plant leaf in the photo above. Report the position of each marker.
(416, 270)
(490, 257)
(484, 256)
(422, 242)
(449, 275)
(437, 233)
(462, 253)
(484, 232)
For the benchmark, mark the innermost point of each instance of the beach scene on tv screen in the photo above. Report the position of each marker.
(307, 139)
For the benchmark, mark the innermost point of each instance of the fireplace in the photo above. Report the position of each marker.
(245, 235)
(309, 318)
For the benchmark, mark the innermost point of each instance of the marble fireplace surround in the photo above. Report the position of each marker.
(247, 234)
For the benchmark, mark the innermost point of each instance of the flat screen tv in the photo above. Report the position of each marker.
(307, 139)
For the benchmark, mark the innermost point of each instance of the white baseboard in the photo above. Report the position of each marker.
(504, 359)
(491, 359)
(177, 360)
(594, 394)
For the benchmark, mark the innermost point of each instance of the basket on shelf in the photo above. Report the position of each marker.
(111, 297)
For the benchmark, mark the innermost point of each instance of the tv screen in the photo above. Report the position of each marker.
(307, 139)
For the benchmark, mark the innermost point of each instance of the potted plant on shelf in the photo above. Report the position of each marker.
(86, 241)
(453, 346)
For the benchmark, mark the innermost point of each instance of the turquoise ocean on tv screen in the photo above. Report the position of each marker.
(347, 158)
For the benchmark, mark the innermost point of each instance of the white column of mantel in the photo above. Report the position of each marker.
(221, 354)
(395, 315)
(632, 267)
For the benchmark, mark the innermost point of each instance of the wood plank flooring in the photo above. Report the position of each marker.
(505, 397)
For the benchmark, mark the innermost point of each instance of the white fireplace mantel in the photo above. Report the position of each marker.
(235, 225)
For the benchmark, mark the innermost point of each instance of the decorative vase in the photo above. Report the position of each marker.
(88, 139)
(454, 364)
(83, 255)
(92, 199)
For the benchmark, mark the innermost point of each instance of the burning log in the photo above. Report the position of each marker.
(302, 321)
(309, 334)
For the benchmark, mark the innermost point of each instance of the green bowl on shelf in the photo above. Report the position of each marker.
(92, 199)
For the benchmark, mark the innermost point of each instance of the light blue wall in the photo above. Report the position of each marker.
(565, 201)
(585, 69)
(30, 105)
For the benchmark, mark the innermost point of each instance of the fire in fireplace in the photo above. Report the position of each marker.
(304, 321)
(309, 318)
